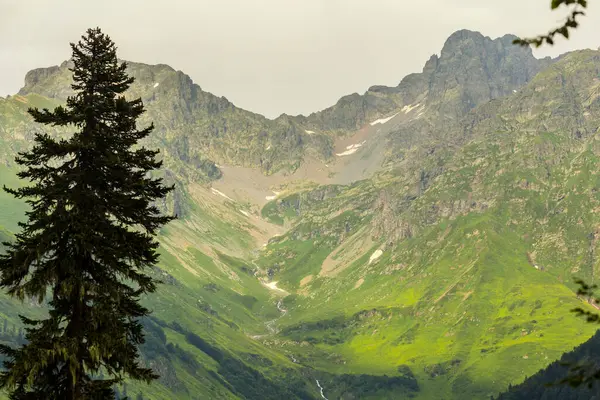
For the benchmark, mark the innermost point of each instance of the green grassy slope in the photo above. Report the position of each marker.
(447, 274)
(478, 249)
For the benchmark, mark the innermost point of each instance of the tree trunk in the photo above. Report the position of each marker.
(74, 330)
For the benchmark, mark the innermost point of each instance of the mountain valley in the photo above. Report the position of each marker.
(417, 241)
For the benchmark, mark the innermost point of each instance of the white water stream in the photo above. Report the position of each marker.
(321, 388)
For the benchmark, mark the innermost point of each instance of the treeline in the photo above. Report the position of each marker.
(232, 373)
(546, 384)
(121, 394)
(244, 377)
(11, 333)
(359, 386)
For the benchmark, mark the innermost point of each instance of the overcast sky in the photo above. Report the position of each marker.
(271, 56)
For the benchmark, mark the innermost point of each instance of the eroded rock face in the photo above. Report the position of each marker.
(33, 77)
(470, 70)
(473, 69)
(36, 80)
(387, 224)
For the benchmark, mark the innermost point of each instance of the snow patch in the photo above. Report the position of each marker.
(376, 254)
(309, 132)
(355, 146)
(245, 213)
(382, 120)
(346, 153)
(156, 85)
(351, 149)
(275, 194)
(269, 198)
(514, 91)
(409, 108)
(273, 286)
(268, 147)
(219, 193)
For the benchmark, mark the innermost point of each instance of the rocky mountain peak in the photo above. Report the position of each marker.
(431, 64)
(37, 75)
(37, 78)
(473, 69)
(461, 39)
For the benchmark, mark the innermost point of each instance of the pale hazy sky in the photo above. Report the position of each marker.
(272, 56)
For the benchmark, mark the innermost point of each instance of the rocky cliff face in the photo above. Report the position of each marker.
(387, 225)
(196, 125)
(471, 69)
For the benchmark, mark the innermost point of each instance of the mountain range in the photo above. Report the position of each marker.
(417, 241)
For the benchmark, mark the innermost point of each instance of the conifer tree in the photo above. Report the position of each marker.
(89, 238)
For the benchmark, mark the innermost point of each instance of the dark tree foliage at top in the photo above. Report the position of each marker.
(548, 383)
(577, 8)
(88, 240)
